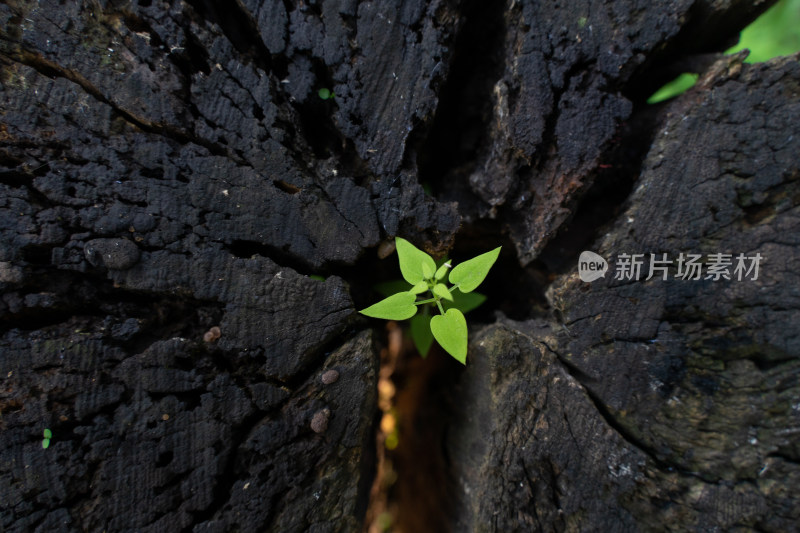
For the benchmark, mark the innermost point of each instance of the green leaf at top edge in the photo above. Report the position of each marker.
(411, 259)
(399, 306)
(47, 434)
(469, 274)
(450, 331)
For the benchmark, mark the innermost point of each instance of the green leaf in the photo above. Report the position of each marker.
(465, 302)
(47, 434)
(442, 272)
(469, 274)
(450, 331)
(420, 287)
(427, 271)
(678, 86)
(45, 443)
(421, 333)
(387, 288)
(441, 291)
(775, 33)
(399, 306)
(324, 93)
(411, 260)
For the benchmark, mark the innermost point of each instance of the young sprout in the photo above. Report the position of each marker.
(47, 434)
(449, 327)
(326, 94)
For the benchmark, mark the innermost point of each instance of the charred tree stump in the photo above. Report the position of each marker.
(187, 228)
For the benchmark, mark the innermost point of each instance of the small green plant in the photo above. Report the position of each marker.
(421, 272)
(326, 94)
(676, 87)
(47, 434)
(775, 33)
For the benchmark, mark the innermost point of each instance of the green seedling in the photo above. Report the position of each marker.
(326, 94)
(422, 275)
(47, 434)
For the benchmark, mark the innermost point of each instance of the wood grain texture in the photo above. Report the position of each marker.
(167, 168)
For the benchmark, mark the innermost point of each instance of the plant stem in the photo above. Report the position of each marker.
(429, 300)
(439, 305)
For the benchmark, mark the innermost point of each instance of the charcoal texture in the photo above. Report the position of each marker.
(658, 404)
(169, 169)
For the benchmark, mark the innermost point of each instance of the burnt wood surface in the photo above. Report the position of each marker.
(171, 181)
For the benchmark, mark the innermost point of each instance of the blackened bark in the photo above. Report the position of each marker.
(169, 169)
(658, 404)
